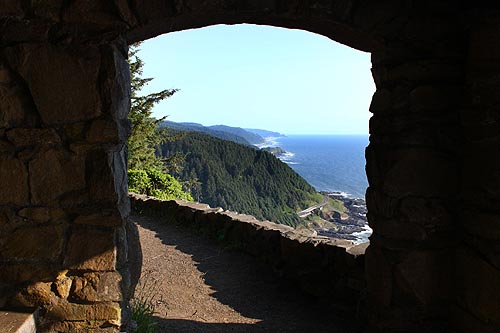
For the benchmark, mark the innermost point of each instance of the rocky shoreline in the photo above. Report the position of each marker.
(352, 225)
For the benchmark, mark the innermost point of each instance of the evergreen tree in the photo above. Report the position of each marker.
(145, 134)
(147, 171)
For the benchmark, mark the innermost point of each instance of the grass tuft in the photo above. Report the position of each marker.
(143, 308)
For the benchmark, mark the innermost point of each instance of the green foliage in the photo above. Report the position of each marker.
(147, 170)
(156, 183)
(146, 134)
(143, 306)
(336, 205)
(242, 179)
(142, 313)
(138, 181)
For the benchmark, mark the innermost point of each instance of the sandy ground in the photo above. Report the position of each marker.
(198, 286)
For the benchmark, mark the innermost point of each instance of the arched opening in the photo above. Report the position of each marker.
(244, 77)
(431, 163)
(287, 81)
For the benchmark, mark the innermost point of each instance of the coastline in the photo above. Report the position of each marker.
(354, 225)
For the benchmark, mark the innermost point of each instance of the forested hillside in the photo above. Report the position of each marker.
(240, 178)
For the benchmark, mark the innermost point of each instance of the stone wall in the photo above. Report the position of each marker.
(413, 169)
(63, 198)
(432, 163)
(477, 279)
(323, 267)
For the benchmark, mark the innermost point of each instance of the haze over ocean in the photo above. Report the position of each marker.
(328, 162)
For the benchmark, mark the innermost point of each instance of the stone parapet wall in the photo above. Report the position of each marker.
(324, 267)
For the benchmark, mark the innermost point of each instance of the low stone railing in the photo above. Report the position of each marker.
(324, 267)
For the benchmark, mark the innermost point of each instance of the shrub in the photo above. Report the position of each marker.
(156, 183)
(138, 181)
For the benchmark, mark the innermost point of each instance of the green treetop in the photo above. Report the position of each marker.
(147, 170)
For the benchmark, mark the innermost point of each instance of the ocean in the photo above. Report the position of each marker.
(330, 163)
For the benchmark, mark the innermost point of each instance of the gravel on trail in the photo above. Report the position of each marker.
(198, 286)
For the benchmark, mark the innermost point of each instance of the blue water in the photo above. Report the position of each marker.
(329, 163)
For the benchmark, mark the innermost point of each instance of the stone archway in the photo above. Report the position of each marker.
(432, 163)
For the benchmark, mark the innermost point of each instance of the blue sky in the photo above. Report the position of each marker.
(290, 81)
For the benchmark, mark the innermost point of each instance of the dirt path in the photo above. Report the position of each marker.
(200, 287)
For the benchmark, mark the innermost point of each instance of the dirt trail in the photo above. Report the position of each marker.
(200, 287)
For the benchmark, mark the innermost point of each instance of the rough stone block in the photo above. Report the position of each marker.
(105, 131)
(380, 204)
(63, 83)
(13, 182)
(121, 180)
(11, 8)
(90, 249)
(16, 107)
(478, 286)
(464, 321)
(431, 214)
(435, 98)
(488, 248)
(105, 220)
(95, 14)
(63, 286)
(6, 147)
(424, 71)
(486, 225)
(119, 85)
(48, 9)
(379, 276)
(55, 173)
(102, 178)
(426, 276)
(481, 174)
(7, 220)
(42, 214)
(396, 229)
(97, 287)
(14, 273)
(300, 256)
(35, 294)
(410, 174)
(76, 132)
(484, 51)
(153, 10)
(94, 326)
(44, 243)
(66, 311)
(378, 16)
(33, 136)
(381, 101)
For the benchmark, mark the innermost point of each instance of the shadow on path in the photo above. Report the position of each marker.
(244, 284)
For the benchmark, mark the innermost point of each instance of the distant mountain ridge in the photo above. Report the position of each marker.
(195, 127)
(264, 133)
(253, 138)
(245, 136)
